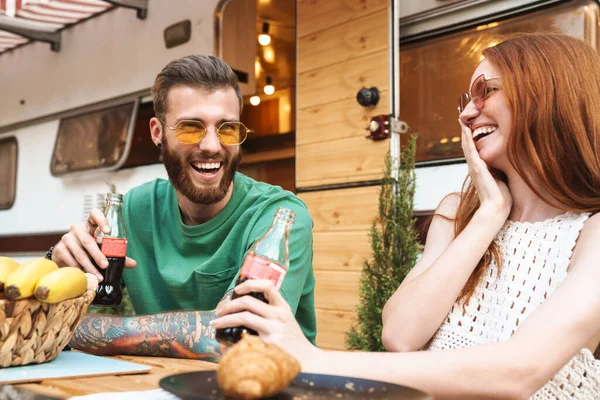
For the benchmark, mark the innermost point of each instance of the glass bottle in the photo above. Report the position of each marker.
(114, 247)
(268, 258)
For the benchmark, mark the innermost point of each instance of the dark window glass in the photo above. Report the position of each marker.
(143, 150)
(94, 140)
(8, 172)
(433, 73)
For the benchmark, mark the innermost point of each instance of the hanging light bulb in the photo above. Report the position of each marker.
(255, 100)
(264, 38)
(269, 88)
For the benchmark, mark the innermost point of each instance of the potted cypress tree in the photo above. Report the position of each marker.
(395, 248)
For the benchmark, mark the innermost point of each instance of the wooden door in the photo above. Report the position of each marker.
(343, 45)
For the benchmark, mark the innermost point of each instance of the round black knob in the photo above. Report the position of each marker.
(368, 97)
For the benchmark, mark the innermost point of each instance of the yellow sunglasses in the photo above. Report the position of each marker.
(192, 132)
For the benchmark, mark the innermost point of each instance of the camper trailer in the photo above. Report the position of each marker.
(351, 78)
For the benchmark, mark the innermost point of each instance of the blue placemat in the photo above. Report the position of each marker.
(69, 364)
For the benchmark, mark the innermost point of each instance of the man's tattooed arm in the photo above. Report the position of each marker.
(180, 334)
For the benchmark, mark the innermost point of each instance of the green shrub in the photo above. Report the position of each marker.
(395, 246)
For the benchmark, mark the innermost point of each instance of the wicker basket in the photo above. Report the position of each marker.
(33, 332)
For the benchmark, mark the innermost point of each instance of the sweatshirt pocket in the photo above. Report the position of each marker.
(212, 286)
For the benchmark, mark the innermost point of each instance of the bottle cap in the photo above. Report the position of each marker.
(114, 197)
(285, 213)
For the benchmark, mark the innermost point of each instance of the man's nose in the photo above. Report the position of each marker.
(210, 143)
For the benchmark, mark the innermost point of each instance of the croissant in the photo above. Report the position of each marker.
(252, 369)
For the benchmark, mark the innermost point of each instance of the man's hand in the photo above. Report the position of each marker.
(77, 248)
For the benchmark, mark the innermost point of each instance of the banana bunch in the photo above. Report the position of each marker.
(41, 278)
(7, 266)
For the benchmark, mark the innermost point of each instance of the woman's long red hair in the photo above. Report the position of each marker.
(552, 85)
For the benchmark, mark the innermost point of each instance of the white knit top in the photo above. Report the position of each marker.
(535, 261)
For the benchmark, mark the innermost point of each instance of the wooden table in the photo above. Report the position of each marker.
(78, 386)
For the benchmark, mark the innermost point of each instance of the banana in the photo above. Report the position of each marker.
(7, 266)
(21, 283)
(62, 284)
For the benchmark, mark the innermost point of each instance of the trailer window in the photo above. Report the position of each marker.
(94, 140)
(434, 72)
(8, 172)
(143, 150)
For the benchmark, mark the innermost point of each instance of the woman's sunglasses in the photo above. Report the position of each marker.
(192, 132)
(478, 94)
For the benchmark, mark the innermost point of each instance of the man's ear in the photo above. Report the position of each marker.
(156, 131)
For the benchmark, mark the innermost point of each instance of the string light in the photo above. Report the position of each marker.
(255, 100)
(269, 88)
(264, 38)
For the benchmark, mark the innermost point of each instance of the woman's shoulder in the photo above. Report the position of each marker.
(591, 226)
(440, 228)
(586, 248)
(448, 206)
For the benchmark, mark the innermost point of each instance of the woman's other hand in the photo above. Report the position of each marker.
(274, 322)
(494, 196)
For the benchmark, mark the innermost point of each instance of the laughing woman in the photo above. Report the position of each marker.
(510, 272)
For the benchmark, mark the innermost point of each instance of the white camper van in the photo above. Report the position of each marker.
(75, 84)
(75, 79)
(75, 98)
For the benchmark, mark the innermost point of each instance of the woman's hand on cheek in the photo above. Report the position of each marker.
(494, 196)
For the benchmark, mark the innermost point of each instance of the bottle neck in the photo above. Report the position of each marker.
(113, 211)
(273, 245)
(114, 215)
(282, 225)
(284, 218)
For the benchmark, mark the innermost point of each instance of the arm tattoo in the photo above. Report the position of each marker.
(179, 334)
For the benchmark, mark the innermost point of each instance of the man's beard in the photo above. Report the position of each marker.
(179, 175)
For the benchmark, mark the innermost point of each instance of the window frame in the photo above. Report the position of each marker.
(91, 110)
(7, 139)
(416, 33)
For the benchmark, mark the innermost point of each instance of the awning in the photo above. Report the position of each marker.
(22, 21)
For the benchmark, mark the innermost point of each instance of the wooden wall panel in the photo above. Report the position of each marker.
(342, 47)
(341, 251)
(337, 120)
(332, 327)
(339, 161)
(342, 220)
(343, 81)
(343, 210)
(336, 290)
(343, 42)
(317, 15)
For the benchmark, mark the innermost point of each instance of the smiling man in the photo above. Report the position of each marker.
(188, 235)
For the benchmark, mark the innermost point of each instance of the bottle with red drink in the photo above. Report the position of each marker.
(114, 247)
(268, 258)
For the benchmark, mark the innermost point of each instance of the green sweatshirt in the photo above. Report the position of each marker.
(182, 267)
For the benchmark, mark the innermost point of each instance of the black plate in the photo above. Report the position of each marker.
(202, 385)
